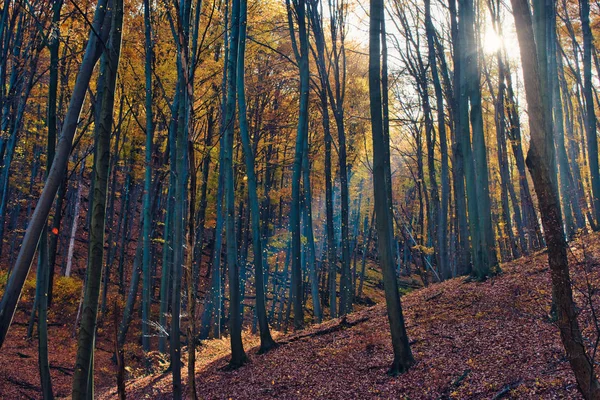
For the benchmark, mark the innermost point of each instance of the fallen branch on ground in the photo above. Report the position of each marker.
(506, 390)
(343, 324)
(455, 384)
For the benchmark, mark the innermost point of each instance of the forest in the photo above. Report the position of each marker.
(299, 199)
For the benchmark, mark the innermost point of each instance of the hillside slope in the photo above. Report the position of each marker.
(470, 340)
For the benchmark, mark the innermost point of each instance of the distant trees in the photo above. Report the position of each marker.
(12, 292)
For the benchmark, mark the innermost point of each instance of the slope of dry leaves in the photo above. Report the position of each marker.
(471, 341)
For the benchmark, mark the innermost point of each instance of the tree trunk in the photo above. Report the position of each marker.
(83, 384)
(238, 356)
(146, 213)
(539, 160)
(402, 355)
(266, 341)
(302, 131)
(590, 113)
(317, 27)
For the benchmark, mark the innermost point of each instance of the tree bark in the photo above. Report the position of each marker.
(266, 341)
(539, 160)
(83, 384)
(403, 358)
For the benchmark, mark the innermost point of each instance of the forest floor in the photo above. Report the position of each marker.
(470, 340)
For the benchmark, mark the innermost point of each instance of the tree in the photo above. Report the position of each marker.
(319, 38)
(442, 217)
(403, 358)
(301, 54)
(266, 341)
(147, 217)
(337, 26)
(83, 378)
(540, 160)
(179, 175)
(45, 272)
(590, 113)
(12, 293)
(238, 356)
(478, 196)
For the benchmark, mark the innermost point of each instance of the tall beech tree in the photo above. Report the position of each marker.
(238, 355)
(478, 196)
(442, 217)
(382, 178)
(316, 20)
(301, 54)
(541, 160)
(338, 10)
(45, 271)
(266, 341)
(147, 216)
(179, 165)
(590, 113)
(83, 377)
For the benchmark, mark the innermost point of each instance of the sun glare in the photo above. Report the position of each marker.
(492, 42)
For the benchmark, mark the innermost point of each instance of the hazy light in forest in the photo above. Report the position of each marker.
(492, 42)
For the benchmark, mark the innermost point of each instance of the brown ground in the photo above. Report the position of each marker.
(470, 340)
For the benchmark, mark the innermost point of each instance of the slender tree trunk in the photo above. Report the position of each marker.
(75, 222)
(42, 309)
(317, 27)
(482, 233)
(578, 200)
(442, 223)
(191, 293)
(302, 131)
(146, 213)
(590, 113)
(530, 219)
(167, 259)
(238, 356)
(368, 234)
(43, 272)
(459, 152)
(566, 191)
(402, 355)
(134, 283)
(266, 341)
(124, 224)
(83, 384)
(309, 234)
(179, 168)
(110, 251)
